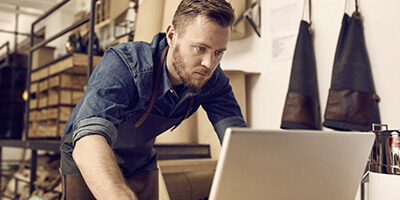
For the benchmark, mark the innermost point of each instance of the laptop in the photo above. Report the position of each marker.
(288, 165)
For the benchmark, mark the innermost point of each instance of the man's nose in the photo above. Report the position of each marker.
(208, 60)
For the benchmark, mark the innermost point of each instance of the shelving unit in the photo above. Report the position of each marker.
(39, 74)
(55, 89)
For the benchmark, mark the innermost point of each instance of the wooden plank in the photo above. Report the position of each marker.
(33, 104)
(33, 125)
(82, 59)
(61, 113)
(64, 97)
(61, 65)
(68, 81)
(46, 131)
(42, 100)
(43, 85)
(34, 88)
(187, 165)
(61, 127)
(65, 112)
(78, 82)
(77, 96)
(81, 70)
(182, 151)
(43, 130)
(42, 115)
(43, 73)
(53, 97)
(54, 81)
(33, 115)
(76, 63)
(34, 76)
(52, 113)
(32, 132)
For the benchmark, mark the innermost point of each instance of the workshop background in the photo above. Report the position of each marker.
(259, 67)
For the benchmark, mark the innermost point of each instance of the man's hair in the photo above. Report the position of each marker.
(219, 11)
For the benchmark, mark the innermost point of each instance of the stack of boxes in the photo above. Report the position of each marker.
(56, 88)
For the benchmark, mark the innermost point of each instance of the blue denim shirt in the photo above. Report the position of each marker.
(121, 86)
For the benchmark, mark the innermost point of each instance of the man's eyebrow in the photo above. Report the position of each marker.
(208, 46)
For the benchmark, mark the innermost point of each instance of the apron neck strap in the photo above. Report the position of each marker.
(356, 5)
(356, 12)
(309, 12)
(155, 89)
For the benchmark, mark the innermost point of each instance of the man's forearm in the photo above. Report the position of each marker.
(97, 164)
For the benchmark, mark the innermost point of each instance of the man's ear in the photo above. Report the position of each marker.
(171, 34)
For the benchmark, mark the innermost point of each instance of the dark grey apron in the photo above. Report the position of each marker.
(352, 102)
(302, 109)
(133, 150)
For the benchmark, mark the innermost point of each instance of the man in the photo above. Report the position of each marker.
(139, 90)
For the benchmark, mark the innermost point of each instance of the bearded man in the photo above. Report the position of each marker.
(139, 90)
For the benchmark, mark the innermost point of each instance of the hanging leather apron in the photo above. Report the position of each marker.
(302, 108)
(133, 150)
(352, 102)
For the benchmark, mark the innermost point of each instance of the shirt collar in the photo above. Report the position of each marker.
(165, 83)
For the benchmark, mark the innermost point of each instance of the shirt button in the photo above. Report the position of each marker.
(171, 90)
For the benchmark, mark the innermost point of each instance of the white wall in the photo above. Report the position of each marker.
(24, 22)
(382, 33)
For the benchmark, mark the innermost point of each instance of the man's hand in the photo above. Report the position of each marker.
(97, 164)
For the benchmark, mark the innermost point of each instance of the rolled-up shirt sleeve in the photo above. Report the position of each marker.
(221, 106)
(109, 94)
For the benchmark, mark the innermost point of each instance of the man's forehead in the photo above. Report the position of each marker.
(206, 32)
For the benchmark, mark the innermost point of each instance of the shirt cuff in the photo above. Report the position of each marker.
(95, 125)
(221, 126)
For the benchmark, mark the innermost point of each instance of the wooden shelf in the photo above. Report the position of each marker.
(187, 165)
(75, 63)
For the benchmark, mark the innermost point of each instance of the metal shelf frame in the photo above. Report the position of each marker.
(42, 44)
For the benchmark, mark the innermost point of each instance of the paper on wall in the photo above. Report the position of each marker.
(283, 31)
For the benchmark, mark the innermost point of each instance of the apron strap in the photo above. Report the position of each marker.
(309, 13)
(155, 89)
(356, 5)
(309, 10)
(189, 109)
(356, 14)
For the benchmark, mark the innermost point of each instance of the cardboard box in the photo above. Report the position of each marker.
(117, 7)
(64, 97)
(42, 56)
(33, 104)
(68, 81)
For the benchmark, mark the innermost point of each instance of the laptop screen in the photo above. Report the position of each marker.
(281, 164)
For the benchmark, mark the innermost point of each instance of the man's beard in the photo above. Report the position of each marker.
(186, 74)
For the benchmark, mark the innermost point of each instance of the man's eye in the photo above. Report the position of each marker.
(219, 53)
(200, 49)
